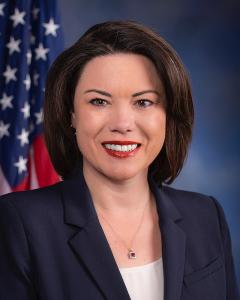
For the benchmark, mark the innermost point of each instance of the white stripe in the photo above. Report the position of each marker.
(4, 186)
(33, 180)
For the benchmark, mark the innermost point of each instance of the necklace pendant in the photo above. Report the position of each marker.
(131, 254)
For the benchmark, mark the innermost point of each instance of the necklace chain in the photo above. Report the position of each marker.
(131, 253)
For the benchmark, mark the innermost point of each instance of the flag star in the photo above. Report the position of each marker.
(29, 57)
(9, 74)
(23, 137)
(6, 101)
(26, 110)
(4, 129)
(35, 12)
(51, 27)
(17, 17)
(39, 117)
(13, 45)
(41, 52)
(2, 5)
(35, 78)
(21, 164)
(27, 82)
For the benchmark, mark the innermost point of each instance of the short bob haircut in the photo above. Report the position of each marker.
(110, 38)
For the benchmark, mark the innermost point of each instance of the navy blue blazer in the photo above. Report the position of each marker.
(52, 246)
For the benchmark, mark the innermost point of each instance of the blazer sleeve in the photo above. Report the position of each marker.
(231, 282)
(15, 273)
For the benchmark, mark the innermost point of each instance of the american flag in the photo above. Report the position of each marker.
(30, 39)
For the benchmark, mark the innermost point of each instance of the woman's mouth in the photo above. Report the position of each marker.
(121, 149)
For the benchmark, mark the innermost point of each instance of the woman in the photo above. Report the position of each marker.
(118, 122)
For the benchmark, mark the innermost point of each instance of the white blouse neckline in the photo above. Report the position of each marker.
(141, 267)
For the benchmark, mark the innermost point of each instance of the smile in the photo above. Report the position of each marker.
(121, 149)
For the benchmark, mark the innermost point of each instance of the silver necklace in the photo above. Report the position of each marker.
(131, 254)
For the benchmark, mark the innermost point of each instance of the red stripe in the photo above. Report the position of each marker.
(46, 175)
(24, 185)
(45, 172)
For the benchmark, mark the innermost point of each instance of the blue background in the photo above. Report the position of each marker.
(206, 34)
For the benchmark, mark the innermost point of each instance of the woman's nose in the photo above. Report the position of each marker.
(121, 120)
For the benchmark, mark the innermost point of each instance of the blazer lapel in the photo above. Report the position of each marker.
(90, 243)
(173, 260)
(174, 240)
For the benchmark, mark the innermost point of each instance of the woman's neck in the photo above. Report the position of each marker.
(117, 196)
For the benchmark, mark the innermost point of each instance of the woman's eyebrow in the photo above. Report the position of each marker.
(133, 95)
(99, 92)
(145, 92)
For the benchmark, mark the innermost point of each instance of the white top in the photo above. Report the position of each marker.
(144, 282)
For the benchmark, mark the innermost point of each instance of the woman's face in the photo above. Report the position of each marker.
(119, 104)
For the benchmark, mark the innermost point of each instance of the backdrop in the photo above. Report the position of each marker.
(206, 35)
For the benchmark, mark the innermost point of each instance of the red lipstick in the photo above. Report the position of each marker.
(121, 142)
(121, 154)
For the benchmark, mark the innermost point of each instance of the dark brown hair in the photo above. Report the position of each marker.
(108, 38)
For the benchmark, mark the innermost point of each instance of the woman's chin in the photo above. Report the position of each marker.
(115, 173)
(122, 175)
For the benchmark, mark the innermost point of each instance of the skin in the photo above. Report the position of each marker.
(119, 187)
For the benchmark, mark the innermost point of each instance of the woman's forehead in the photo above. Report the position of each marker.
(120, 71)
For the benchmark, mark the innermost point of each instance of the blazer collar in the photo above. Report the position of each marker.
(93, 250)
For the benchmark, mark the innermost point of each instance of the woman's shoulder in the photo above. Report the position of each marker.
(185, 197)
(193, 205)
(181, 193)
(30, 200)
(32, 211)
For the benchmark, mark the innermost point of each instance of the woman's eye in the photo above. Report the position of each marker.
(98, 102)
(144, 103)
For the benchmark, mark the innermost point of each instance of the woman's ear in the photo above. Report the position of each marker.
(73, 120)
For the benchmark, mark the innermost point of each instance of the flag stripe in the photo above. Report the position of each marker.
(4, 186)
(43, 164)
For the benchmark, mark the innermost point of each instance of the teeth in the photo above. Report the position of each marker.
(123, 148)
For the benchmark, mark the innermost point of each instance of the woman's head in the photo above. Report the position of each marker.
(109, 46)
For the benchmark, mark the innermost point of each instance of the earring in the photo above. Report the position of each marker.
(73, 129)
